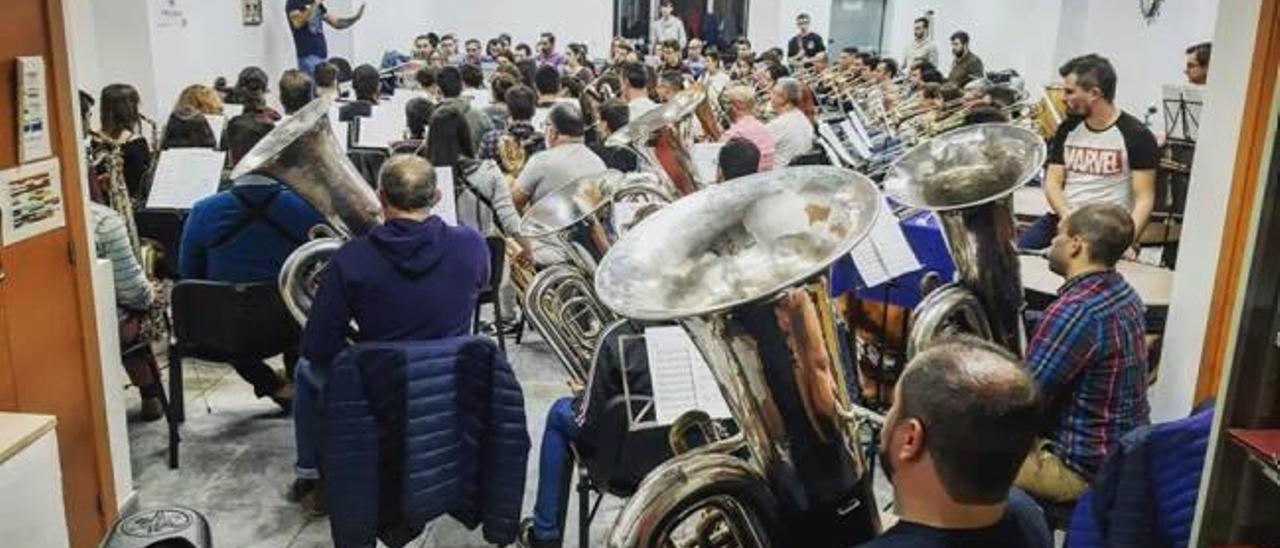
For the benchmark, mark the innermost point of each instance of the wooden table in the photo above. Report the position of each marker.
(1153, 284)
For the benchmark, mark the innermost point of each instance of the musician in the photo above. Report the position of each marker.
(742, 46)
(250, 92)
(121, 125)
(714, 76)
(1101, 154)
(187, 128)
(805, 45)
(667, 26)
(426, 79)
(669, 84)
(326, 81)
(922, 47)
(483, 199)
(695, 61)
(669, 57)
(1197, 70)
(380, 282)
(886, 71)
(523, 52)
(423, 45)
(450, 81)
(448, 51)
(964, 414)
(243, 235)
(614, 115)
(201, 98)
(547, 54)
(307, 19)
(848, 60)
(365, 81)
(1088, 355)
(738, 157)
(472, 80)
(792, 131)
(637, 89)
(475, 55)
(578, 64)
(549, 85)
(521, 104)
(566, 158)
(417, 115)
(295, 91)
(966, 67)
(741, 103)
(496, 110)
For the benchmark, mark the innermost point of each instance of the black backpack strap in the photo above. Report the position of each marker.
(254, 212)
(461, 170)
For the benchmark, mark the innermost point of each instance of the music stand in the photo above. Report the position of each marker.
(1182, 109)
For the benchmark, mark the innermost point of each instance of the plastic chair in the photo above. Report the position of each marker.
(220, 321)
(490, 295)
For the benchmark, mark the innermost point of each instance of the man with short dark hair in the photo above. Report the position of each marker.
(1197, 70)
(566, 158)
(636, 84)
(966, 67)
(547, 54)
(307, 19)
(243, 235)
(1100, 154)
(547, 81)
(326, 81)
(472, 78)
(422, 47)
(848, 59)
(1088, 355)
(295, 90)
(964, 415)
(449, 79)
(380, 282)
(738, 158)
(366, 82)
(669, 84)
(614, 115)
(806, 44)
(922, 47)
(521, 106)
(417, 114)
(426, 79)
(474, 54)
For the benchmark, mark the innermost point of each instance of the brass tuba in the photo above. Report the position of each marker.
(669, 157)
(303, 154)
(967, 177)
(743, 268)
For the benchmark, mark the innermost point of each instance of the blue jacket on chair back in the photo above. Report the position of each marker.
(415, 430)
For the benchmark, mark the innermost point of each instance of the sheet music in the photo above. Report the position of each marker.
(185, 176)
(447, 209)
(706, 161)
(681, 380)
(383, 127)
(829, 134)
(885, 253)
(230, 110)
(216, 123)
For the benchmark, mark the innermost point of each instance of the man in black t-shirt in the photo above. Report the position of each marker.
(963, 420)
(307, 19)
(804, 46)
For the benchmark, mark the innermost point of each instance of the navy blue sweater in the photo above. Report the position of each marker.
(404, 281)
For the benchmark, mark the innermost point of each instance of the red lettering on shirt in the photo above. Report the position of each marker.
(1093, 161)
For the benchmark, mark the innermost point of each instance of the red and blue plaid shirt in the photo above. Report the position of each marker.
(1089, 357)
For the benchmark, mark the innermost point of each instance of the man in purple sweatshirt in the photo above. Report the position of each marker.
(413, 278)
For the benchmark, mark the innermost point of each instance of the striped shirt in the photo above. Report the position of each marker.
(111, 242)
(1089, 357)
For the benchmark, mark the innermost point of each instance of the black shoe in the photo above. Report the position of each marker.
(152, 410)
(309, 493)
(525, 538)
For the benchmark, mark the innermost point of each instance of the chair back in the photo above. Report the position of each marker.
(222, 318)
(497, 262)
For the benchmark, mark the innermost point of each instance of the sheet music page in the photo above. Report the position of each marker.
(216, 123)
(383, 127)
(447, 209)
(232, 110)
(185, 176)
(828, 133)
(885, 254)
(681, 381)
(706, 161)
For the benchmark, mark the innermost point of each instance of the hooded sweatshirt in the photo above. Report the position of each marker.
(404, 281)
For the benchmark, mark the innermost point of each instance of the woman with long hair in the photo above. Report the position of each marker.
(578, 64)
(251, 92)
(121, 125)
(483, 199)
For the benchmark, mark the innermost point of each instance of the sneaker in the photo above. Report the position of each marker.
(284, 397)
(525, 538)
(152, 409)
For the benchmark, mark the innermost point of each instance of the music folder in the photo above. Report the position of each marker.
(184, 176)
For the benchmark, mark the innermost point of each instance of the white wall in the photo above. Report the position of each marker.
(588, 21)
(1233, 40)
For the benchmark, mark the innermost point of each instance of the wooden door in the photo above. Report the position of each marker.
(48, 341)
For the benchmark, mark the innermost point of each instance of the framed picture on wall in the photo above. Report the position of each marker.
(252, 13)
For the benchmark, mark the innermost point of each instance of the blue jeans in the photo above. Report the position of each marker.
(307, 382)
(308, 64)
(553, 470)
(1040, 234)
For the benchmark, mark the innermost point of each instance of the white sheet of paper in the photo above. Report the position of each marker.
(447, 209)
(706, 161)
(885, 253)
(216, 123)
(231, 111)
(185, 176)
(682, 381)
(829, 134)
(384, 127)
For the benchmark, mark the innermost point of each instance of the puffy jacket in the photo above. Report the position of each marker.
(1145, 494)
(412, 431)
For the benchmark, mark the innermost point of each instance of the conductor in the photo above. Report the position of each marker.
(306, 20)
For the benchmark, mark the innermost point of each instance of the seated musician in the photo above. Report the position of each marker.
(964, 414)
(326, 81)
(714, 76)
(366, 81)
(741, 103)
(1088, 355)
(792, 131)
(417, 115)
(848, 60)
(635, 81)
(250, 92)
(669, 84)
(296, 90)
(738, 157)
(381, 281)
(121, 131)
(450, 81)
(187, 128)
(1100, 154)
(566, 158)
(243, 235)
(573, 421)
(670, 57)
(614, 115)
(521, 105)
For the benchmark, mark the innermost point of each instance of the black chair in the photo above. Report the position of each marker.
(165, 227)
(220, 321)
(490, 295)
(368, 162)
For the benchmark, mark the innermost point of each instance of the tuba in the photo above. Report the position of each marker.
(303, 154)
(669, 158)
(743, 269)
(578, 223)
(967, 178)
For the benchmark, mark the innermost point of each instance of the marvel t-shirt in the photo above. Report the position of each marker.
(1099, 163)
(309, 40)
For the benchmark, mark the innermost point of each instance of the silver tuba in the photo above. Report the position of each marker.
(303, 154)
(575, 225)
(743, 268)
(669, 157)
(967, 178)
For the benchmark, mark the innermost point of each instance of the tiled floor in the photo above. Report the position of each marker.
(237, 458)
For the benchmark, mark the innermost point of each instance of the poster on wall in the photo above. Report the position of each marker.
(30, 201)
(33, 111)
(252, 13)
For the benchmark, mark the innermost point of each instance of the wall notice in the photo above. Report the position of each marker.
(30, 201)
(33, 111)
